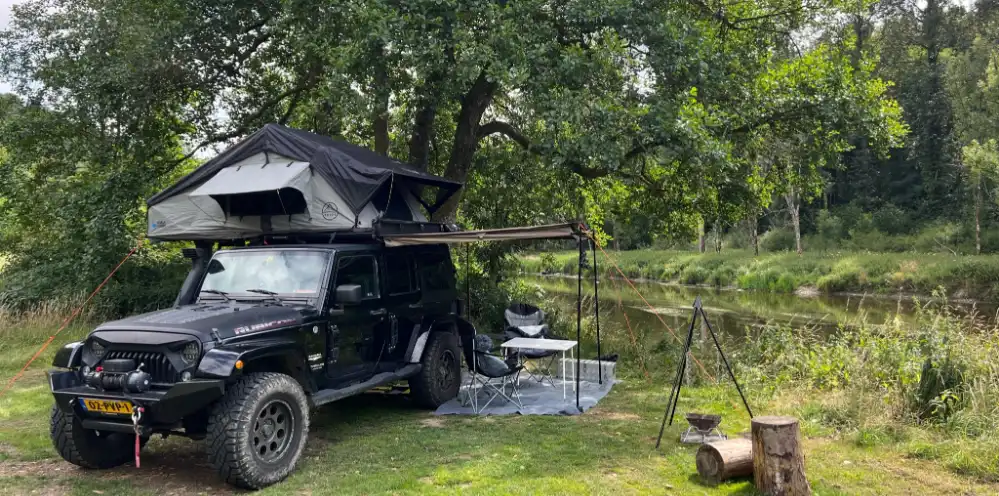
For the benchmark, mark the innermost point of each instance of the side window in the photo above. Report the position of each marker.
(436, 272)
(361, 270)
(400, 274)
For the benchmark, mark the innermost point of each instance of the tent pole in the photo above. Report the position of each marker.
(579, 315)
(468, 282)
(596, 310)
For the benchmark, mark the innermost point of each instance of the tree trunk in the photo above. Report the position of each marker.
(754, 234)
(423, 130)
(466, 140)
(617, 245)
(718, 235)
(722, 460)
(778, 460)
(978, 214)
(382, 93)
(794, 209)
(700, 239)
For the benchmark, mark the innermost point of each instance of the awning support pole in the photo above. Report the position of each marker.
(579, 315)
(468, 282)
(596, 311)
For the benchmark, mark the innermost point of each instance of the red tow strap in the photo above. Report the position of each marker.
(69, 319)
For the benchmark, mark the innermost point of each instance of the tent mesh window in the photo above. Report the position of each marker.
(284, 201)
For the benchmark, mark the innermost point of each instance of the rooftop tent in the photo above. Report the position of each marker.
(281, 180)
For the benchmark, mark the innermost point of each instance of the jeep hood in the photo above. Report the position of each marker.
(227, 319)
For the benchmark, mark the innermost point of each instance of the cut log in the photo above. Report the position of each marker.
(722, 460)
(778, 460)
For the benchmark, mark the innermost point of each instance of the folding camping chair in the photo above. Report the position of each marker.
(488, 373)
(524, 320)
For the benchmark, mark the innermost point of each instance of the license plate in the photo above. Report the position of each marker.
(106, 406)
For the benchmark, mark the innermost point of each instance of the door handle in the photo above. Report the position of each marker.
(380, 311)
(415, 305)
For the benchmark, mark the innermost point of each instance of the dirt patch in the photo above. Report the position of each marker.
(807, 292)
(8, 450)
(434, 422)
(44, 467)
(610, 415)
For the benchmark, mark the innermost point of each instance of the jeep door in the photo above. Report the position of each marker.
(352, 325)
(403, 300)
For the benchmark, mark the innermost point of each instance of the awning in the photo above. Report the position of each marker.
(551, 231)
(253, 178)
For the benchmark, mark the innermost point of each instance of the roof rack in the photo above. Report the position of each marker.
(380, 228)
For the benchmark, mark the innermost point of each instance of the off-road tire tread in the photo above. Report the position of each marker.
(234, 464)
(422, 386)
(61, 426)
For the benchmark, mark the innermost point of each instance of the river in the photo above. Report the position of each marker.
(732, 313)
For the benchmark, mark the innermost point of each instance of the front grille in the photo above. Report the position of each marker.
(156, 364)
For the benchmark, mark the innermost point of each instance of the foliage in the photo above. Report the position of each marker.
(782, 271)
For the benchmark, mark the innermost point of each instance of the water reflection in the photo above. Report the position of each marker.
(733, 312)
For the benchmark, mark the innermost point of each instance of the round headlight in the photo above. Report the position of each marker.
(191, 352)
(97, 349)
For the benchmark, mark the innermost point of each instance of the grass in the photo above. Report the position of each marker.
(377, 444)
(962, 276)
(381, 444)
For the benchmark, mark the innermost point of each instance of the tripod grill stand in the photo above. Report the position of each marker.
(674, 395)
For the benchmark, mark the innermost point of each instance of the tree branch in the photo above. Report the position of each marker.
(506, 129)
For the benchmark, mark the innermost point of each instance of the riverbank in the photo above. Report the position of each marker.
(960, 276)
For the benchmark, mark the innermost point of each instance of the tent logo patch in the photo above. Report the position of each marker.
(330, 211)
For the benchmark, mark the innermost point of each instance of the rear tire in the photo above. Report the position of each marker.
(257, 431)
(440, 377)
(88, 448)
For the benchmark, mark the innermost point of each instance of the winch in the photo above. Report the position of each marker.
(118, 374)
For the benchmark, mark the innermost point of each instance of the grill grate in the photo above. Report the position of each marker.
(156, 364)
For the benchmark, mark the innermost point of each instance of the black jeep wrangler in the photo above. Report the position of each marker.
(259, 335)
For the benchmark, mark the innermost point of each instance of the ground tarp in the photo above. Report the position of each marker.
(538, 399)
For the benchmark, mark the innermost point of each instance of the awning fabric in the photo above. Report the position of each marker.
(551, 231)
(252, 178)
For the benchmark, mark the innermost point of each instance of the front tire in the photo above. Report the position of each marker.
(440, 377)
(88, 448)
(257, 431)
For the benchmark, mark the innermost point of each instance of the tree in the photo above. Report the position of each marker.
(982, 164)
(610, 108)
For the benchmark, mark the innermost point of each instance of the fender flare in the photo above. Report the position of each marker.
(69, 356)
(421, 334)
(220, 362)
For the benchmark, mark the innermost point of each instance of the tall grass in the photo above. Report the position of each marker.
(962, 276)
(22, 333)
(932, 383)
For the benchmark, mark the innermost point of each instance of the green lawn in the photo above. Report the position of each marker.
(377, 444)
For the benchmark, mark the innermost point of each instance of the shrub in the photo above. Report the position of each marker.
(695, 274)
(939, 237)
(778, 239)
(549, 264)
(830, 226)
(891, 220)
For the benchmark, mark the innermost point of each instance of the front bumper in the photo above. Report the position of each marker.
(161, 408)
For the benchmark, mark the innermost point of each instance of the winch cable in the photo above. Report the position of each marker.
(651, 308)
(69, 319)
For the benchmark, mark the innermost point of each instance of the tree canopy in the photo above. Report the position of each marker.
(667, 115)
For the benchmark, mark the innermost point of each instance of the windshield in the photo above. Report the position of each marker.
(285, 272)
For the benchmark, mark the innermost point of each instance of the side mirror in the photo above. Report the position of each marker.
(348, 294)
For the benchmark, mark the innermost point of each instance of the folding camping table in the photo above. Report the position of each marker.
(547, 344)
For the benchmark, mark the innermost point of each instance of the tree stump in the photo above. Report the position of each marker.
(778, 461)
(721, 460)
